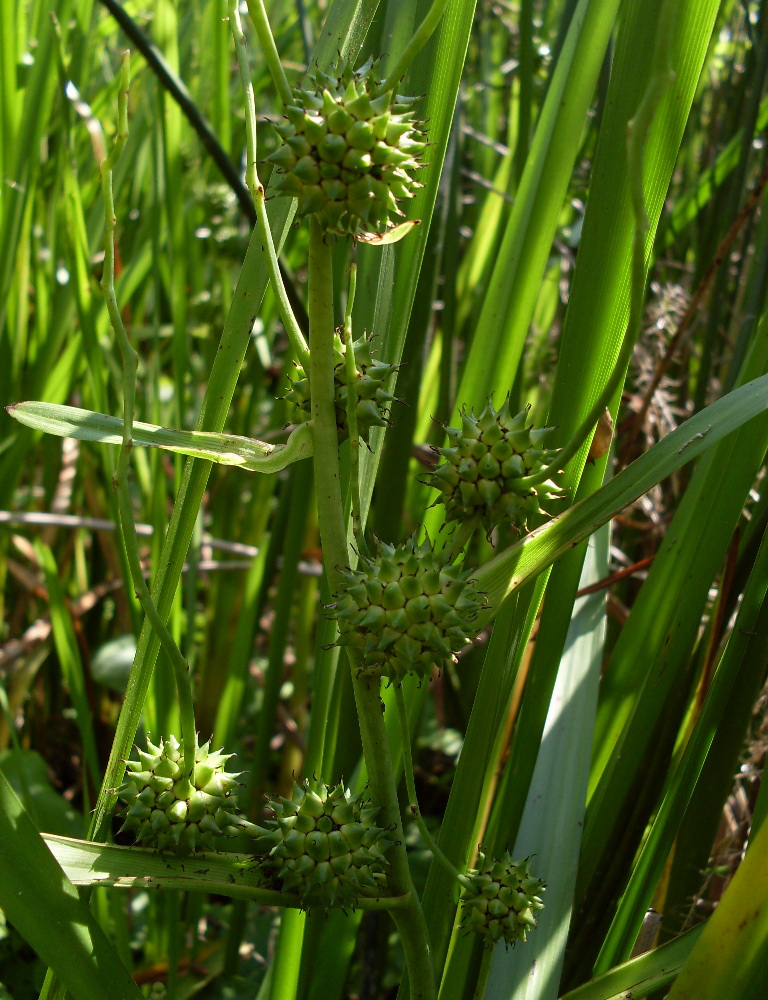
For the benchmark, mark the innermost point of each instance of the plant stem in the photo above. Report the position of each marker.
(354, 437)
(256, 188)
(269, 50)
(420, 38)
(333, 536)
(409, 920)
(460, 538)
(484, 972)
(130, 361)
(410, 785)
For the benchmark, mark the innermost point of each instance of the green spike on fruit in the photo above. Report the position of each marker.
(371, 376)
(348, 155)
(324, 846)
(482, 462)
(171, 810)
(500, 899)
(406, 610)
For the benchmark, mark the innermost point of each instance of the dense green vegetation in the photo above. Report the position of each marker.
(589, 237)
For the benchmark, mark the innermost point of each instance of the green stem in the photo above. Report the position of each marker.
(130, 361)
(333, 536)
(354, 437)
(460, 538)
(410, 785)
(483, 973)
(420, 38)
(269, 50)
(256, 188)
(409, 920)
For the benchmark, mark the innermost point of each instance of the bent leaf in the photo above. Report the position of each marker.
(224, 449)
(527, 558)
(237, 875)
(68, 939)
(87, 863)
(640, 976)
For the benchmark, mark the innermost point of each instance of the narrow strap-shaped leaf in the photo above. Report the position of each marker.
(731, 957)
(554, 811)
(743, 664)
(523, 561)
(225, 449)
(640, 976)
(45, 908)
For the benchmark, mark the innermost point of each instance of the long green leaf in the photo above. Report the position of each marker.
(44, 907)
(744, 663)
(553, 818)
(640, 976)
(225, 449)
(527, 242)
(730, 958)
(523, 561)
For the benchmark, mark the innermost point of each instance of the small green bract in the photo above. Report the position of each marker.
(406, 610)
(501, 899)
(324, 846)
(348, 151)
(170, 810)
(477, 477)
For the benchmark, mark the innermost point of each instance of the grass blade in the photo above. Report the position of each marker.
(69, 940)
(730, 958)
(224, 449)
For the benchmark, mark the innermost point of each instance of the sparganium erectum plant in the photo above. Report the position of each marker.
(509, 202)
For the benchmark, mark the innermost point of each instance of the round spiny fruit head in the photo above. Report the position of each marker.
(171, 810)
(406, 610)
(324, 846)
(501, 899)
(482, 462)
(348, 152)
(372, 398)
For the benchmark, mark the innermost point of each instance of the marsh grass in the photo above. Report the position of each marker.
(597, 723)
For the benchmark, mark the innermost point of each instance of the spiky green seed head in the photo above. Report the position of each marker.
(171, 810)
(502, 899)
(477, 477)
(406, 610)
(371, 377)
(348, 152)
(324, 845)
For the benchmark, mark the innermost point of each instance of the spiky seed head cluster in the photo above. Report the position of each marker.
(348, 152)
(324, 846)
(501, 899)
(171, 810)
(371, 376)
(482, 463)
(406, 610)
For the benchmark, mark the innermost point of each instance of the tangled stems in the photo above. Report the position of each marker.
(409, 918)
